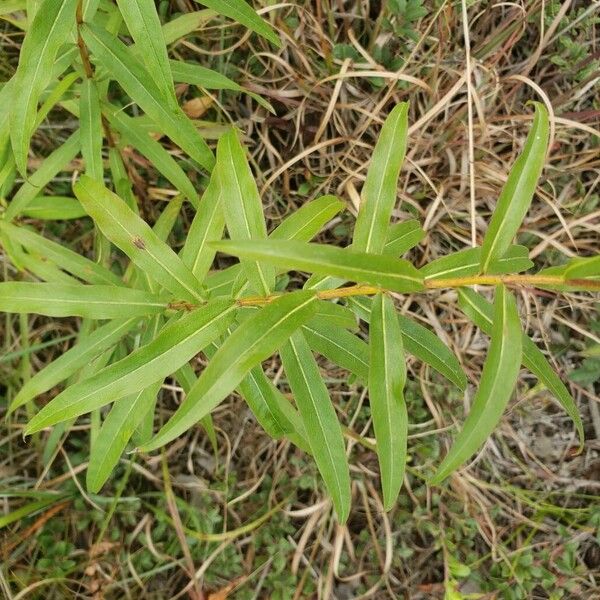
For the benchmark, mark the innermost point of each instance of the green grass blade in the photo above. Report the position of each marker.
(72, 360)
(207, 226)
(135, 237)
(54, 208)
(257, 338)
(339, 346)
(498, 379)
(135, 80)
(387, 377)
(144, 25)
(466, 263)
(304, 223)
(66, 259)
(168, 351)
(89, 301)
(47, 33)
(386, 271)
(318, 414)
(517, 193)
(480, 311)
(380, 189)
(136, 136)
(35, 184)
(243, 13)
(90, 121)
(242, 205)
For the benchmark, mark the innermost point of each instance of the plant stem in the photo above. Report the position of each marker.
(435, 284)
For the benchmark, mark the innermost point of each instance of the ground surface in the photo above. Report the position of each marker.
(522, 521)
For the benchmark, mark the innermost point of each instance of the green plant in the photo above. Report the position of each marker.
(145, 318)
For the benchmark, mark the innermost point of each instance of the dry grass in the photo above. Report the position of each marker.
(528, 493)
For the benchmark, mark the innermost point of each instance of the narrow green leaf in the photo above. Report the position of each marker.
(168, 351)
(66, 259)
(207, 226)
(36, 183)
(401, 237)
(466, 263)
(392, 273)
(240, 11)
(29, 509)
(89, 301)
(91, 130)
(115, 433)
(9, 6)
(54, 208)
(517, 193)
(317, 412)
(335, 314)
(387, 377)
(144, 25)
(380, 189)
(421, 343)
(242, 205)
(252, 342)
(136, 136)
(66, 364)
(135, 237)
(304, 223)
(498, 379)
(135, 80)
(583, 267)
(339, 346)
(481, 313)
(47, 33)
(185, 24)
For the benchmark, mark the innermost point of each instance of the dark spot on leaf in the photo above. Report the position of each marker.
(138, 242)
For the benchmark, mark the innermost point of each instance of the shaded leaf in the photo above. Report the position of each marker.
(401, 237)
(54, 208)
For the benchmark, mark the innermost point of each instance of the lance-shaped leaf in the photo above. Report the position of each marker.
(480, 311)
(135, 80)
(144, 25)
(303, 224)
(317, 412)
(54, 208)
(387, 377)
(115, 433)
(380, 188)
(185, 24)
(242, 205)
(252, 342)
(170, 349)
(583, 267)
(66, 259)
(465, 263)
(518, 191)
(392, 273)
(194, 74)
(339, 346)
(47, 33)
(498, 379)
(90, 120)
(401, 237)
(420, 342)
(135, 237)
(207, 226)
(88, 348)
(242, 12)
(89, 301)
(35, 184)
(136, 136)
(335, 314)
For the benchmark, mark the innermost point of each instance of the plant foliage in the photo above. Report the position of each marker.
(164, 308)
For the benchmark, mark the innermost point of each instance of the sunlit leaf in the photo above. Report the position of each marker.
(91, 130)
